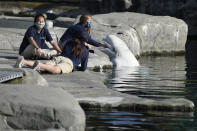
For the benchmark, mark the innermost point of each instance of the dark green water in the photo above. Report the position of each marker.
(156, 78)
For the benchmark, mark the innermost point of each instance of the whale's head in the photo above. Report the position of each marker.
(118, 52)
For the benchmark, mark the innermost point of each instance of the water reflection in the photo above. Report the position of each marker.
(138, 121)
(117, 121)
(191, 71)
(158, 78)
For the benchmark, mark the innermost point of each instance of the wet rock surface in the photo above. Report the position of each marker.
(88, 88)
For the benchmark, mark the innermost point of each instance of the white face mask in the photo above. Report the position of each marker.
(40, 25)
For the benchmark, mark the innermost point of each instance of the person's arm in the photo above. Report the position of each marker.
(33, 42)
(55, 46)
(89, 40)
(93, 42)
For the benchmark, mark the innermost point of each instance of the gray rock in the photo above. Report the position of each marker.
(58, 31)
(88, 88)
(3, 124)
(78, 79)
(99, 60)
(143, 33)
(11, 38)
(37, 107)
(182, 9)
(12, 33)
(64, 22)
(33, 78)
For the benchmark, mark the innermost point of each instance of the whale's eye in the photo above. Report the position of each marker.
(119, 33)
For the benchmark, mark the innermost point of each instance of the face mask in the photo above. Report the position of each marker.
(88, 24)
(40, 25)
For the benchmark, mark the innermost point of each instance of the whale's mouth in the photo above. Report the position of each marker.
(107, 43)
(110, 51)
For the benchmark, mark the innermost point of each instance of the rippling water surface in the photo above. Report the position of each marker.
(156, 78)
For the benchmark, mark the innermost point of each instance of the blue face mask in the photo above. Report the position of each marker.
(88, 24)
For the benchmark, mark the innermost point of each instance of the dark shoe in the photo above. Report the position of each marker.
(91, 51)
(36, 66)
(19, 62)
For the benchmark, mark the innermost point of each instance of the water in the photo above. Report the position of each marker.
(157, 78)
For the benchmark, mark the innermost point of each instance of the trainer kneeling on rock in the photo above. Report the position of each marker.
(33, 45)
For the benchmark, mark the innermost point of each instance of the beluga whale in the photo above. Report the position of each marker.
(118, 52)
(125, 64)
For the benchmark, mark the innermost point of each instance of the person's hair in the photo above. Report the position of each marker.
(83, 19)
(37, 16)
(77, 48)
(88, 29)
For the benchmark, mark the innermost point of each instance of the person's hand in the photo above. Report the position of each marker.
(88, 45)
(59, 53)
(38, 52)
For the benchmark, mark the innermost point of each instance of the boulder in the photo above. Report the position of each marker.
(33, 108)
(12, 30)
(143, 33)
(9, 39)
(182, 9)
(3, 124)
(33, 78)
(98, 60)
(64, 22)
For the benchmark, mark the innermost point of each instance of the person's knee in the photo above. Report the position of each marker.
(57, 70)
